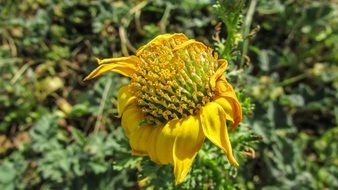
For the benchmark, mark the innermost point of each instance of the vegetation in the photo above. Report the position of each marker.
(57, 132)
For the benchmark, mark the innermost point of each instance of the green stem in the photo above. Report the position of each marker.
(293, 79)
(246, 28)
(102, 104)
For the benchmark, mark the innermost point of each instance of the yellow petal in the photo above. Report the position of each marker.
(223, 62)
(163, 152)
(186, 145)
(131, 119)
(232, 109)
(161, 39)
(219, 73)
(213, 121)
(124, 99)
(225, 90)
(191, 43)
(141, 138)
(227, 107)
(124, 65)
(177, 143)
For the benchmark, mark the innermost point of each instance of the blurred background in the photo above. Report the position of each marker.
(57, 132)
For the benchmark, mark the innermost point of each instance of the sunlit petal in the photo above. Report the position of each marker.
(187, 144)
(161, 39)
(225, 90)
(223, 62)
(141, 138)
(227, 107)
(125, 66)
(131, 119)
(219, 73)
(213, 121)
(165, 141)
(124, 99)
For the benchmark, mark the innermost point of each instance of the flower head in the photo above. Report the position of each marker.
(177, 97)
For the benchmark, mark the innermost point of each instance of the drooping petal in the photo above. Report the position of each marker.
(225, 90)
(131, 119)
(164, 143)
(213, 121)
(124, 65)
(219, 73)
(124, 99)
(186, 146)
(141, 138)
(227, 107)
(177, 143)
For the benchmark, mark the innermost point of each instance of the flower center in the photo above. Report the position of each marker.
(172, 80)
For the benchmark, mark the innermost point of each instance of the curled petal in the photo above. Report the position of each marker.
(223, 62)
(125, 66)
(124, 99)
(227, 107)
(225, 90)
(213, 121)
(219, 73)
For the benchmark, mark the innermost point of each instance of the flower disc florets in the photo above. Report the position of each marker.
(173, 79)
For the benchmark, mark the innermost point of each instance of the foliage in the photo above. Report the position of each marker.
(57, 132)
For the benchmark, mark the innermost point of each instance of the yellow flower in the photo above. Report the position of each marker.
(177, 96)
